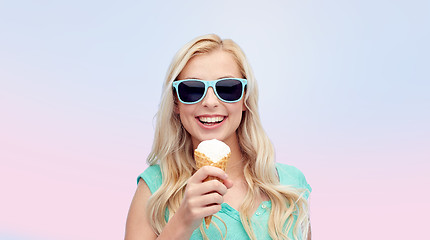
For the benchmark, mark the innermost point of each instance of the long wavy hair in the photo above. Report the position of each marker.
(173, 150)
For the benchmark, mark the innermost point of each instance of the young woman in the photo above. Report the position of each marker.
(210, 93)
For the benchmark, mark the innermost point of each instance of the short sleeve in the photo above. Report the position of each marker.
(152, 177)
(290, 175)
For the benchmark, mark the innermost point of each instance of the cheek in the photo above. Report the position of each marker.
(185, 111)
(237, 114)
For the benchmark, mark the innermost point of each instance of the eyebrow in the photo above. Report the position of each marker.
(228, 76)
(192, 78)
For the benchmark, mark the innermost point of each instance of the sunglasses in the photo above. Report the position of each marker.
(192, 91)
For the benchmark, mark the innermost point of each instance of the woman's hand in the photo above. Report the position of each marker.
(201, 198)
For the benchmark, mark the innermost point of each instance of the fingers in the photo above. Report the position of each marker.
(206, 171)
(199, 185)
(203, 198)
(209, 200)
(205, 205)
(228, 183)
(200, 212)
(201, 194)
(213, 186)
(198, 189)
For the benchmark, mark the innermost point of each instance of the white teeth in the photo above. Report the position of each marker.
(211, 119)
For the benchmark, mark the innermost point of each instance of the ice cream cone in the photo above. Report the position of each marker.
(203, 160)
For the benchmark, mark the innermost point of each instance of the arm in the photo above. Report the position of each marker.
(201, 199)
(137, 225)
(309, 233)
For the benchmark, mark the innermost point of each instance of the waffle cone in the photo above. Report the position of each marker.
(202, 160)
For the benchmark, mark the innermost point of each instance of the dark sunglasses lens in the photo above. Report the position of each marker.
(229, 89)
(191, 91)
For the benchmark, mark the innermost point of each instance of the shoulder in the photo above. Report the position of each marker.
(290, 175)
(152, 177)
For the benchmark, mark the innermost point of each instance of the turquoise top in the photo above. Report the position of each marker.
(288, 175)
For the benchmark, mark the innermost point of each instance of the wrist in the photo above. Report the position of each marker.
(178, 228)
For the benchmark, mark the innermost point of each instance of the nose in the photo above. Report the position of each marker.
(210, 100)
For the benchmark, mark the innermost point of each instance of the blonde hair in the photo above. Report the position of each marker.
(173, 150)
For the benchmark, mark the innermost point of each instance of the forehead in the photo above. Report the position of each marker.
(213, 65)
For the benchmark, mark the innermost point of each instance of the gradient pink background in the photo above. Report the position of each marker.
(344, 96)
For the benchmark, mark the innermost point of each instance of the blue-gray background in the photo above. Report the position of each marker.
(344, 96)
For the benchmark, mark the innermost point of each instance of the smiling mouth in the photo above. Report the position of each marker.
(209, 121)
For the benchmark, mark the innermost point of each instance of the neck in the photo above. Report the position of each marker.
(236, 164)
